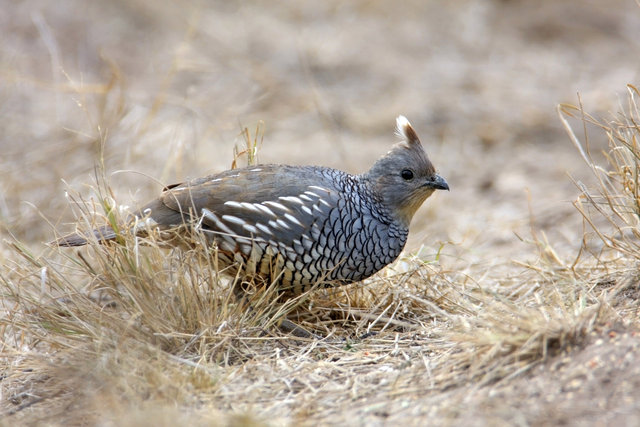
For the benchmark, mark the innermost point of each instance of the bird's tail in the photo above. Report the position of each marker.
(102, 234)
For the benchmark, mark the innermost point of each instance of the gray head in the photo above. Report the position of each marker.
(404, 177)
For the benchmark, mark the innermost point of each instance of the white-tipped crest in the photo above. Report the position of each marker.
(402, 126)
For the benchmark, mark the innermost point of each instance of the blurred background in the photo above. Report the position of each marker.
(163, 89)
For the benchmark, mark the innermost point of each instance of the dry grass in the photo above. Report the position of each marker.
(134, 333)
(616, 200)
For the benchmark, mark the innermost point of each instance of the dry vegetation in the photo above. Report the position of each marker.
(516, 309)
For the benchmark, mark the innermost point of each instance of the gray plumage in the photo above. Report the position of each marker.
(298, 226)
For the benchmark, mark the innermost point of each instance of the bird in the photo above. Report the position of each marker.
(296, 227)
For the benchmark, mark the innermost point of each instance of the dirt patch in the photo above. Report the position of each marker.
(593, 384)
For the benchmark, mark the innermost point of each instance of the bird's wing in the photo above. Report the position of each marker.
(277, 204)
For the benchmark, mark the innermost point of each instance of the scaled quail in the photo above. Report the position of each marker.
(297, 226)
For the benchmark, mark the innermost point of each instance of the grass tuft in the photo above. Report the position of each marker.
(612, 209)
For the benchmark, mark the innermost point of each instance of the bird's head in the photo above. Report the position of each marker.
(404, 177)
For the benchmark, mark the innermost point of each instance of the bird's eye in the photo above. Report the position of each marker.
(407, 174)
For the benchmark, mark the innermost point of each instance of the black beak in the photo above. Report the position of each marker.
(438, 183)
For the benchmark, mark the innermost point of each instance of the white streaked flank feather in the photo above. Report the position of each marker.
(206, 213)
(234, 219)
(277, 205)
(293, 219)
(250, 228)
(264, 228)
(291, 199)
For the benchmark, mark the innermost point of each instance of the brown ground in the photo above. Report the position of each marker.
(167, 87)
